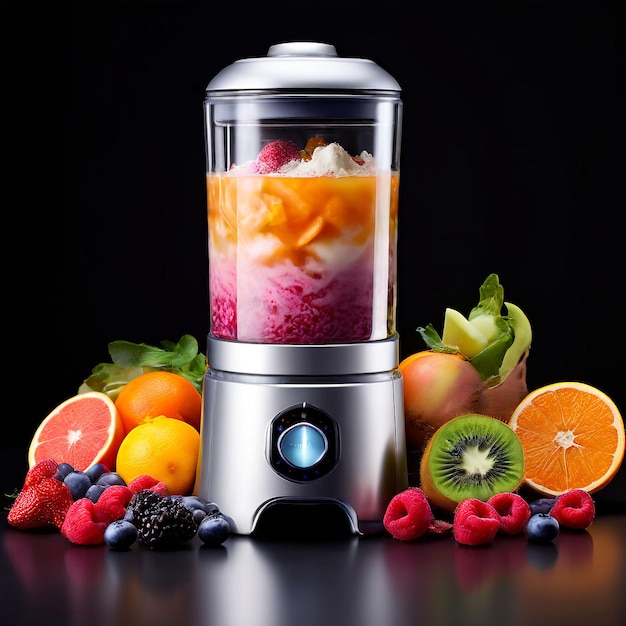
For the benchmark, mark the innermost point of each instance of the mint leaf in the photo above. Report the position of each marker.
(127, 354)
(432, 339)
(491, 298)
(132, 359)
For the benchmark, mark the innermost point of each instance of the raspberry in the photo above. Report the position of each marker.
(439, 528)
(86, 521)
(513, 510)
(276, 154)
(475, 522)
(146, 481)
(574, 509)
(79, 526)
(111, 505)
(408, 515)
(43, 500)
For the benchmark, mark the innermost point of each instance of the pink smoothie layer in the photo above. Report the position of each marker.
(291, 306)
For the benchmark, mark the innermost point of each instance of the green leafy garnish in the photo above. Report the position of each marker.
(433, 339)
(129, 360)
(491, 294)
(492, 342)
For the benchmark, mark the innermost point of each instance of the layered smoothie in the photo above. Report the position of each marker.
(302, 247)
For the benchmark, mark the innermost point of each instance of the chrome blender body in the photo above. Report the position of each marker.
(315, 423)
(308, 424)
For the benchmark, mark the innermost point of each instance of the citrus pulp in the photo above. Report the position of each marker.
(572, 435)
(83, 430)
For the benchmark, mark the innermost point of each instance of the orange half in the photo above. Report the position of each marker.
(573, 438)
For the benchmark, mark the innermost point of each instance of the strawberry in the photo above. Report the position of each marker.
(276, 154)
(43, 500)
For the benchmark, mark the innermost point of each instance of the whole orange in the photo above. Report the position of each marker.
(159, 393)
(163, 447)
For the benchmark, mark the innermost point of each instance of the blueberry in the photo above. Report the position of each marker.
(211, 508)
(110, 478)
(198, 515)
(78, 482)
(214, 530)
(194, 503)
(542, 528)
(542, 505)
(120, 534)
(189, 502)
(94, 492)
(63, 469)
(95, 471)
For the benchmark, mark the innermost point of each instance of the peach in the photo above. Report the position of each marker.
(437, 387)
(500, 401)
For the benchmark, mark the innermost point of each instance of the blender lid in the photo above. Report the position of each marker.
(303, 65)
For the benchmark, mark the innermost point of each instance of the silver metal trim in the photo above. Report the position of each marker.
(340, 359)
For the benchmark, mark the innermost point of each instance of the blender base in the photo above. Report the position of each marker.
(275, 446)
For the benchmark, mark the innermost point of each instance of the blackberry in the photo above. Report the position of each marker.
(162, 522)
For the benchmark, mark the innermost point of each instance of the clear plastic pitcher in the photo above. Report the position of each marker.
(302, 152)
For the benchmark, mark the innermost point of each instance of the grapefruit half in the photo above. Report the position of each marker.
(83, 430)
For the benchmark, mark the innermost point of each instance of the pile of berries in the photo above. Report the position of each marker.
(97, 506)
(409, 516)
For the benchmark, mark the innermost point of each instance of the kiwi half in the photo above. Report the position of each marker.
(471, 456)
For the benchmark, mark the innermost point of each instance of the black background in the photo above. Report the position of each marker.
(512, 137)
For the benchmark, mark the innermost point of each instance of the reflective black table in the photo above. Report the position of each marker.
(313, 579)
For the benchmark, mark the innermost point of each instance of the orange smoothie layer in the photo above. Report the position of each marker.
(292, 259)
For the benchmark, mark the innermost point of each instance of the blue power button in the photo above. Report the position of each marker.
(302, 445)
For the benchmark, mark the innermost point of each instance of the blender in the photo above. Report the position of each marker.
(302, 398)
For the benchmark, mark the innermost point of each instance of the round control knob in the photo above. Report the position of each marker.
(302, 445)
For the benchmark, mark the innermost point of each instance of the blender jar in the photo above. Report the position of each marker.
(302, 153)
